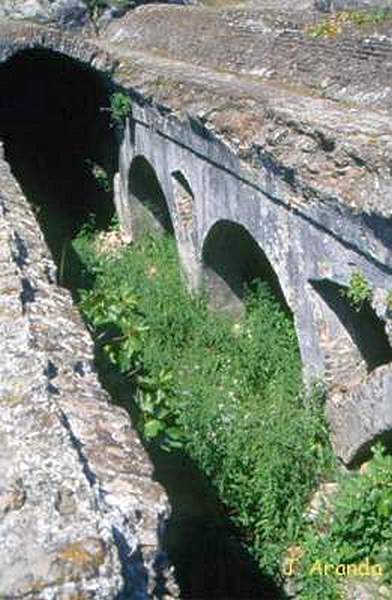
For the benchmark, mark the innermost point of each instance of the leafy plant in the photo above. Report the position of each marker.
(228, 394)
(359, 291)
(158, 422)
(361, 528)
(120, 107)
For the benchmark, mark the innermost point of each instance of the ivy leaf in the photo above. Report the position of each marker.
(153, 428)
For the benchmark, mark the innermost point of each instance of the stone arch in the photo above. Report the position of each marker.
(149, 207)
(355, 342)
(56, 40)
(57, 138)
(232, 259)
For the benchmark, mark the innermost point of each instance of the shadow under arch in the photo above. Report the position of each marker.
(58, 140)
(232, 260)
(364, 328)
(150, 211)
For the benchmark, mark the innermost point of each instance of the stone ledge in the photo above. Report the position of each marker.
(79, 511)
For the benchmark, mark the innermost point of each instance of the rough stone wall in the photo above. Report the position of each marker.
(80, 515)
(334, 5)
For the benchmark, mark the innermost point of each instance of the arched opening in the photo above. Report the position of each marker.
(58, 140)
(150, 212)
(233, 260)
(364, 328)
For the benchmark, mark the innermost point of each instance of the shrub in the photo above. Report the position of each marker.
(120, 107)
(359, 291)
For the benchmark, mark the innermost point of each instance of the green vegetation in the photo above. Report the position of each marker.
(359, 291)
(120, 107)
(336, 23)
(228, 394)
(360, 530)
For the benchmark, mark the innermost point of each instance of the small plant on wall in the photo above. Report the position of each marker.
(359, 291)
(120, 107)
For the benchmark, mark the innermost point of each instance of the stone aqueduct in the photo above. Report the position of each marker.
(310, 252)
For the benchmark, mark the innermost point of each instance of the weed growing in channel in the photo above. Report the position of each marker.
(228, 394)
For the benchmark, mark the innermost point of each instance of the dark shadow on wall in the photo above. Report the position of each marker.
(366, 330)
(58, 140)
(364, 453)
(206, 548)
(232, 261)
(149, 206)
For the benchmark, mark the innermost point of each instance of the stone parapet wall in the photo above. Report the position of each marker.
(267, 44)
(79, 511)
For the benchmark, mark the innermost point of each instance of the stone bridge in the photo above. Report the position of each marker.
(298, 197)
(287, 179)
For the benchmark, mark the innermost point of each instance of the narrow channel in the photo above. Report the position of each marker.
(61, 147)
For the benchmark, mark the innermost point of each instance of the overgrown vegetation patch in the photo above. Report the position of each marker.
(230, 395)
(227, 393)
(355, 540)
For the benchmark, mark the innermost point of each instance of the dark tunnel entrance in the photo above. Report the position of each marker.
(58, 140)
(233, 261)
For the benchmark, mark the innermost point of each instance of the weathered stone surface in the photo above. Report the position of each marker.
(335, 5)
(79, 512)
(66, 13)
(362, 416)
(321, 501)
(71, 14)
